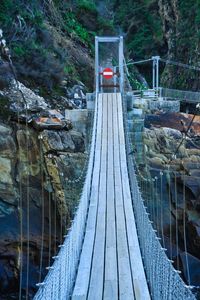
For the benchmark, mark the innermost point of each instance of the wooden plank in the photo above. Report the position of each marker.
(138, 274)
(111, 274)
(97, 272)
(125, 279)
(110, 265)
(81, 286)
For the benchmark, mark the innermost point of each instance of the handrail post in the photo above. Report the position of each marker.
(97, 63)
(121, 61)
(155, 73)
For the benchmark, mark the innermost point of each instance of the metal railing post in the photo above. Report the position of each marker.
(115, 79)
(101, 79)
(155, 73)
(97, 63)
(121, 61)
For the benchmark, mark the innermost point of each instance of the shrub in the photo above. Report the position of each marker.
(74, 27)
(19, 50)
(87, 5)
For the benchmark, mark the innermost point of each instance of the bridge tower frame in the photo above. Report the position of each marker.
(155, 73)
(120, 42)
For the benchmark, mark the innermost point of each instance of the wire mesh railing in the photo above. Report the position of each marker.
(59, 282)
(164, 281)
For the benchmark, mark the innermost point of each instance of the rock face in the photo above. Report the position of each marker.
(180, 34)
(41, 177)
(35, 169)
(164, 136)
(169, 15)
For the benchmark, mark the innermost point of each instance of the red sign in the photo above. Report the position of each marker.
(108, 73)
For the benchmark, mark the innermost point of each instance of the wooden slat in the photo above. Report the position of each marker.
(97, 273)
(110, 265)
(125, 277)
(138, 275)
(81, 286)
(111, 274)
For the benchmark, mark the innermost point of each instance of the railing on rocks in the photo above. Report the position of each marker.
(168, 94)
(59, 282)
(164, 281)
(183, 96)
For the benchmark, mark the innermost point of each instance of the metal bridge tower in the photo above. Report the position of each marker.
(98, 68)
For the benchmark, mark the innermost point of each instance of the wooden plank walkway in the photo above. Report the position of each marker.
(110, 264)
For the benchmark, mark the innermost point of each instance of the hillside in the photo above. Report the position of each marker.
(51, 42)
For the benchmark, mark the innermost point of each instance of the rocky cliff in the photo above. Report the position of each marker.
(42, 167)
(168, 28)
(37, 188)
(180, 21)
(162, 136)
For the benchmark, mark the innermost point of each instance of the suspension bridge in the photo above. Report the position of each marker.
(111, 250)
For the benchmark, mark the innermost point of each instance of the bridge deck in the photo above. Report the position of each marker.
(110, 265)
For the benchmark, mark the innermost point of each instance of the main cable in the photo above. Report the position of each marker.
(171, 62)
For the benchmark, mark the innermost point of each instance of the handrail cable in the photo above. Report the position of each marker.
(27, 193)
(161, 209)
(171, 62)
(42, 207)
(184, 232)
(170, 213)
(50, 233)
(176, 221)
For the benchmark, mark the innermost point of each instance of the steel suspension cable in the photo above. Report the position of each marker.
(176, 217)
(157, 209)
(20, 188)
(20, 210)
(55, 224)
(170, 213)
(42, 208)
(171, 62)
(49, 202)
(154, 203)
(161, 209)
(27, 192)
(28, 207)
(138, 62)
(184, 231)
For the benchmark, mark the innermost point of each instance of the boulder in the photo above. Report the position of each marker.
(52, 141)
(32, 101)
(5, 171)
(78, 140)
(7, 145)
(63, 141)
(67, 141)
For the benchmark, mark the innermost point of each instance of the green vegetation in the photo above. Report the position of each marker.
(30, 31)
(37, 33)
(74, 27)
(105, 25)
(87, 6)
(141, 21)
(19, 50)
(7, 8)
